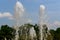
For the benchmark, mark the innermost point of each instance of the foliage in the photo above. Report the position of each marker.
(7, 32)
(37, 31)
(55, 34)
(24, 32)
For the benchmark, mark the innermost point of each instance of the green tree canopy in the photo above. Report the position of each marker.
(7, 32)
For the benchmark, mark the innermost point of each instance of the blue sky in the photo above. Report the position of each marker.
(32, 9)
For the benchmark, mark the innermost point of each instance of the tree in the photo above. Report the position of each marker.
(1, 35)
(57, 34)
(53, 34)
(24, 32)
(7, 32)
(37, 31)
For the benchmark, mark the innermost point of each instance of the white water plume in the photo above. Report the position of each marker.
(42, 14)
(18, 10)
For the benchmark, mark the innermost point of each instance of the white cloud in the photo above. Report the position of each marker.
(0, 15)
(54, 25)
(57, 23)
(6, 14)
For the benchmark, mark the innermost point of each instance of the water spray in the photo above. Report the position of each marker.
(42, 9)
(18, 13)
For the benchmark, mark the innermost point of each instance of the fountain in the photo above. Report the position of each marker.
(41, 17)
(43, 24)
(18, 13)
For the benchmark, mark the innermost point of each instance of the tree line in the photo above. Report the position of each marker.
(8, 33)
